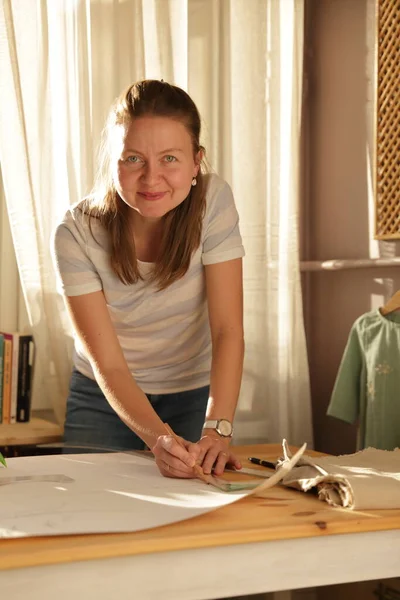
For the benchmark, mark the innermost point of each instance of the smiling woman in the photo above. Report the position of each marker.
(151, 177)
(150, 268)
(150, 161)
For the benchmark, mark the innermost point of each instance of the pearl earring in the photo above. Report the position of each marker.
(194, 181)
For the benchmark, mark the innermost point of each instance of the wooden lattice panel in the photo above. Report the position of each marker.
(388, 121)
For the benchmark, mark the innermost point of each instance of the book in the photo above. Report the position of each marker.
(25, 373)
(7, 367)
(14, 377)
(1, 375)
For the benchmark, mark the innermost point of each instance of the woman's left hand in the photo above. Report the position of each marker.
(215, 454)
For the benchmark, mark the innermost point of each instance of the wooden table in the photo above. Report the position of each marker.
(285, 540)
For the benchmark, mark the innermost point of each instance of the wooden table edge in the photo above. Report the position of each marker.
(73, 548)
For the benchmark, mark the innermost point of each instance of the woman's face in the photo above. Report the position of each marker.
(153, 164)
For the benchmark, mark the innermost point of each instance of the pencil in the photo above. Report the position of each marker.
(197, 469)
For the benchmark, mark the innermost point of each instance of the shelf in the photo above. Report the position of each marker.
(337, 264)
(37, 431)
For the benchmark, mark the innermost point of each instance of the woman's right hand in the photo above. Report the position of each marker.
(174, 459)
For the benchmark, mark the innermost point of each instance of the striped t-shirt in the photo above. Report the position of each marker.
(164, 335)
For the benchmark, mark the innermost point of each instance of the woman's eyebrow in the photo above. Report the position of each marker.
(166, 151)
(171, 150)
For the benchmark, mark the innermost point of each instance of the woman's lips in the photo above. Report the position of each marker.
(152, 196)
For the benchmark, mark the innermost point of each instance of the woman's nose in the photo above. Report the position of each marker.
(151, 173)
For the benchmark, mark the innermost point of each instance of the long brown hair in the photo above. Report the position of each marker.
(183, 224)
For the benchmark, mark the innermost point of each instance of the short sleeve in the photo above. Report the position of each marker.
(345, 399)
(221, 236)
(75, 272)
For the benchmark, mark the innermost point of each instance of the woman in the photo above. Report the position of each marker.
(150, 266)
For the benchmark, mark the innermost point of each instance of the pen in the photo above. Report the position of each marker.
(263, 463)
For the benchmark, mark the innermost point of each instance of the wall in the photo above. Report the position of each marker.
(340, 112)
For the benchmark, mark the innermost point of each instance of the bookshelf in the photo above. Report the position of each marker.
(39, 430)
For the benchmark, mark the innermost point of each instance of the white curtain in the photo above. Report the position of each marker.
(64, 61)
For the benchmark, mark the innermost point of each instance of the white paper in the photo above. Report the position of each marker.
(108, 493)
(104, 493)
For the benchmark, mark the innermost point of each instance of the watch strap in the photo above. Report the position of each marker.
(211, 424)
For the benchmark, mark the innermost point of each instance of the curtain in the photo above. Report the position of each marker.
(62, 64)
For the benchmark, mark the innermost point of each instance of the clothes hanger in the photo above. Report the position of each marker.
(392, 305)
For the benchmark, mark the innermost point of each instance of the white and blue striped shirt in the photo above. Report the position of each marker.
(164, 335)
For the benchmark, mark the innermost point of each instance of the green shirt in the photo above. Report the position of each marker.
(367, 386)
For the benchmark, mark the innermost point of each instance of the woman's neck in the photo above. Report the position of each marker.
(147, 235)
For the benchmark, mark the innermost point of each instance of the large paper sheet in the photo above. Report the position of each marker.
(104, 493)
(97, 493)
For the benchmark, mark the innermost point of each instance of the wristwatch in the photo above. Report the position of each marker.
(223, 427)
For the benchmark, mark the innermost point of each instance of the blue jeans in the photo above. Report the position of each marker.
(90, 420)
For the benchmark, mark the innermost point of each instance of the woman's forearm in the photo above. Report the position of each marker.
(130, 403)
(226, 375)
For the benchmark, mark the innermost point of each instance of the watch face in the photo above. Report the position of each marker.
(225, 428)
